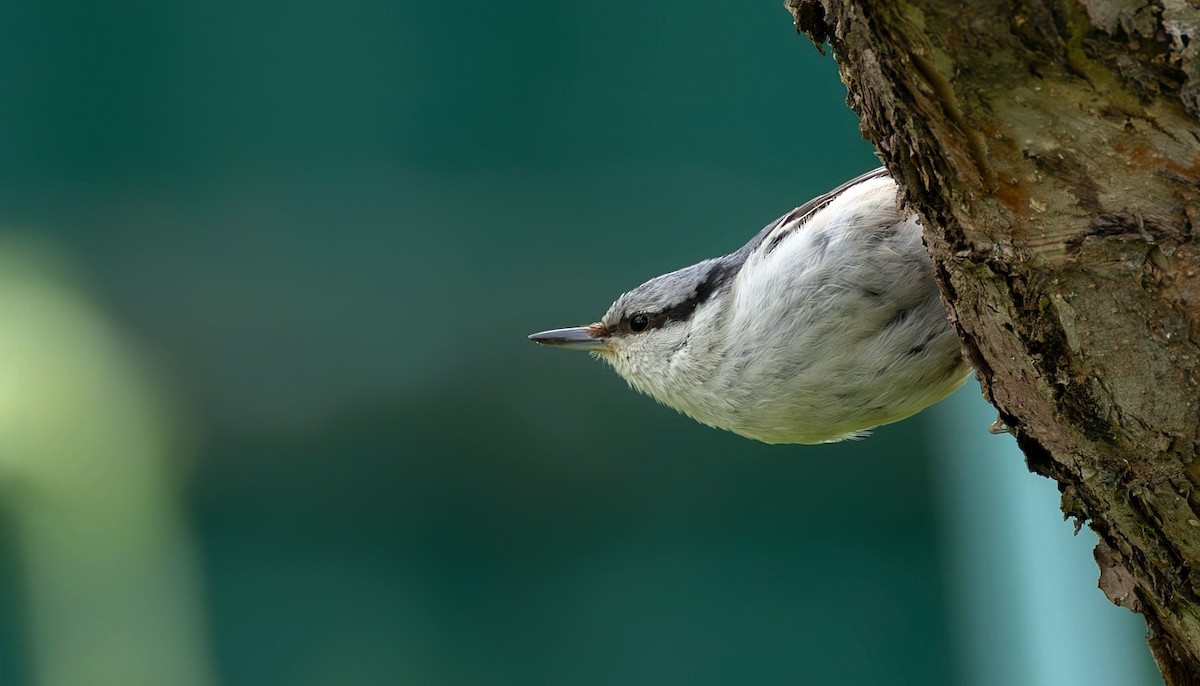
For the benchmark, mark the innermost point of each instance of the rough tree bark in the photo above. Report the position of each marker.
(1053, 148)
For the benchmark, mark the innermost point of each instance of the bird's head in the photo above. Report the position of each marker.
(651, 335)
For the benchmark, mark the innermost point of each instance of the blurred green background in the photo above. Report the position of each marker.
(268, 269)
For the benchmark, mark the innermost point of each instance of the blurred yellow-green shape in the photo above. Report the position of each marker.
(90, 484)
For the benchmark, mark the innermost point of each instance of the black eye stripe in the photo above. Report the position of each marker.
(716, 277)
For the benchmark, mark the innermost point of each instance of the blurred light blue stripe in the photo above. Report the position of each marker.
(1022, 591)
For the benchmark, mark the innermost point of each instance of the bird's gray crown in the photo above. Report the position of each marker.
(672, 297)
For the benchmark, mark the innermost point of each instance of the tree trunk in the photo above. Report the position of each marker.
(1053, 148)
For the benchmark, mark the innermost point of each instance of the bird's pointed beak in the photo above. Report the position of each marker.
(574, 338)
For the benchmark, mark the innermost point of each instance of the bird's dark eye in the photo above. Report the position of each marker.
(639, 322)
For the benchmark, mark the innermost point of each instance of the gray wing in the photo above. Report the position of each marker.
(798, 216)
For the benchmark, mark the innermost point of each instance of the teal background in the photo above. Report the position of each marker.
(327, 229)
